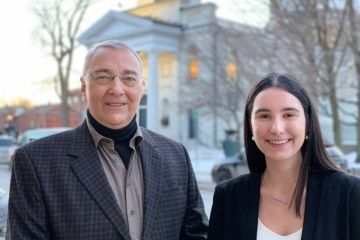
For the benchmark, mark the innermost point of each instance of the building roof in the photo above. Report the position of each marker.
(134, 30)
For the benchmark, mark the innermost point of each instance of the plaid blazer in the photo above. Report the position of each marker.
(59, 190)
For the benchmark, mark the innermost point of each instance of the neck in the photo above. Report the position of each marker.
(279, 187)
(281, 174)
(279, 181)
(118, 135)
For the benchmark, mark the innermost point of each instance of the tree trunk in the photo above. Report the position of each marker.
(215, 89)
(354, 45)
(65, 110)
(335, 113)
(357, 67)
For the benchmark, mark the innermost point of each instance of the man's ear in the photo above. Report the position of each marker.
(83, 84)
(83, 87)
(143, 84)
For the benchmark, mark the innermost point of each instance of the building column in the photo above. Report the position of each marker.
(152, 119)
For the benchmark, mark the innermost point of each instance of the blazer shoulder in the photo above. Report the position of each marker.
(158, 139)
(240, 183)
(65, 140)
(336, 181)
(344, 180)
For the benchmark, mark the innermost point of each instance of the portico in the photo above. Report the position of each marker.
(147, 36)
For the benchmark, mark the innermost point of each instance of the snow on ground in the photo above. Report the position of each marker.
(353, 166)
(351, 160)
(203, 159)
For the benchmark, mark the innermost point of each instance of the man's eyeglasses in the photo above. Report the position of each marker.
(104, 78)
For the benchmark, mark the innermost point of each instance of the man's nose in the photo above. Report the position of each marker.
(117, 86)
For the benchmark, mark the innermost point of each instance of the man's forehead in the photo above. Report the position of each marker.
(125, 56)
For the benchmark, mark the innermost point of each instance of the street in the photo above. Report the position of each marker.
(5, 174)
(4, 184)
(207, 192)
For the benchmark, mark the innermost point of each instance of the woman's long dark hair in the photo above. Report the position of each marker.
(313, 151)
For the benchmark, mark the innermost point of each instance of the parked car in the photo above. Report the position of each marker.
(228, 168)
(7, 148)
(4, 199)
(337, 155)
(36, 133)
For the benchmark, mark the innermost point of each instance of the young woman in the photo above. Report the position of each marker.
(294, 191)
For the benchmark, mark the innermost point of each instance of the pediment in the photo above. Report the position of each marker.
(115, 24)
(139, 32)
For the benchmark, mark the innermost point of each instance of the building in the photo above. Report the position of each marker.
(199, 68)
(189, 66)
(43, 116)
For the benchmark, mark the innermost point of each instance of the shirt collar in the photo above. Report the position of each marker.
(97, 137)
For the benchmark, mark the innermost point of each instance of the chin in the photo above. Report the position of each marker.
(119, 123)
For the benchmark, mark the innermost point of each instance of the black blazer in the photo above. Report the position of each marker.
(332, 210)
(59, 190)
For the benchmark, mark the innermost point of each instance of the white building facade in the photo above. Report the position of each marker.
(163, 32)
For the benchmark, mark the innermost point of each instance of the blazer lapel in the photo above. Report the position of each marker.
(89, 171)
(253, 206)
(152, 168)
(314, 186)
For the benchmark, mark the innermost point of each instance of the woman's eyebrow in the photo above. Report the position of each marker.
(261, 110)
(290, 109)
(265, 110)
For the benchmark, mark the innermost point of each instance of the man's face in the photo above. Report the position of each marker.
(112, 103)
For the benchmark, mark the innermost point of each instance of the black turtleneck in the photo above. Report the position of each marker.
(121, 137)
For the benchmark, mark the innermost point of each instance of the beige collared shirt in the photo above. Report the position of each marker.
(127, 185)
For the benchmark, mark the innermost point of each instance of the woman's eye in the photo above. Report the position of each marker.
(288, 115)
(264, 116)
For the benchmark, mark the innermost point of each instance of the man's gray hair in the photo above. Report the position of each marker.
(116, 44)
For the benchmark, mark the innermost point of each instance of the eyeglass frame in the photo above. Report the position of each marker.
(112, 76)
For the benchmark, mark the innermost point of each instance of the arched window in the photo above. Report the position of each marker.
(194, 69)
(231, 69)
(193, 62)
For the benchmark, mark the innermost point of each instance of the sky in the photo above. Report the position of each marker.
(25, 66)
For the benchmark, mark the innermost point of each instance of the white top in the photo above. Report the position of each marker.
(263, 233)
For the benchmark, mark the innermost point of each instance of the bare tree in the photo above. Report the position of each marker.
(354, 43)
(60, 22)
(312, 31)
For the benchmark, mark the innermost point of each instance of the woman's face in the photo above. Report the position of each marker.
(278, 125)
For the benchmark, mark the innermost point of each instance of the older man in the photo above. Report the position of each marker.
(108, 178)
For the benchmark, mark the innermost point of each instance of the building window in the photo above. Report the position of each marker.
(165, 116)
(231, 70)
(194, 69)
(232, 67)
(143, 111)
